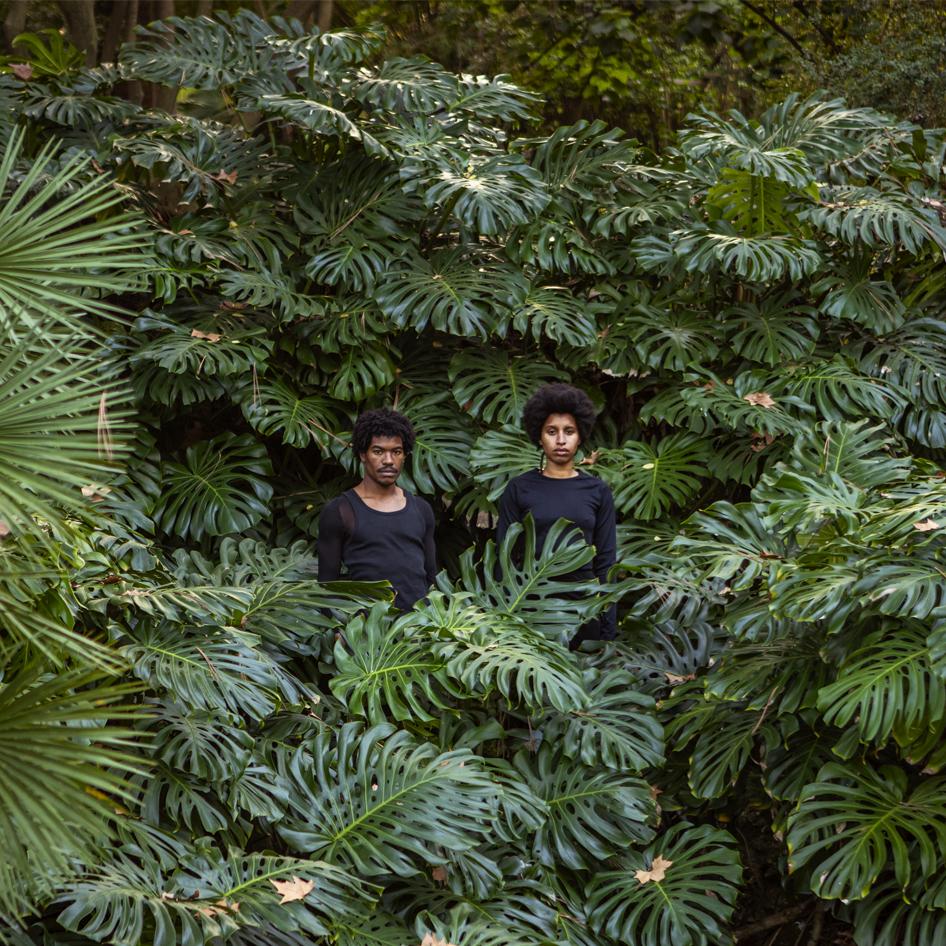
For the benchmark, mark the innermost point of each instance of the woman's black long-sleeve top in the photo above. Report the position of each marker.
(584, 500)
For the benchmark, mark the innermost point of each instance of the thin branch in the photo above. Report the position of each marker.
(762, 15)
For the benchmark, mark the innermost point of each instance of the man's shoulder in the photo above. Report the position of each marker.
(420, 503)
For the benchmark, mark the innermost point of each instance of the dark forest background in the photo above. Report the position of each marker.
(640, 64)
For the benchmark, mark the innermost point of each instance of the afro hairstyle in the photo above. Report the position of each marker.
(381, 423)
(558, 398)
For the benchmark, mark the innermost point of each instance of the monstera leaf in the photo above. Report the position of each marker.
(220, 488)
(225, 671)
(774, 330)
(554, 312)
(444, 437)
(530, 586)
(681, 889)
(487, 195)
(214, 896)
(592, 814)
(855, 821)
(488, 652)
(499, 455)
(450, 291)
(618, 728)
(494, 386)
(385, 802)
(274, 406)
(649, 481)
(886, 687)
(383, 673)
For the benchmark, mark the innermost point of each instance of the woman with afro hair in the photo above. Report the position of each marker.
(558, 418)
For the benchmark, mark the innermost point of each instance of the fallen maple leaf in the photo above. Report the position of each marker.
(208, 336)
(293, 889)
(22, 70)
(760, 399)
(927, 525)
(658, 870)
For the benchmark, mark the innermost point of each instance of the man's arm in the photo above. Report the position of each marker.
(430, 546)
(330, 542)
(606, 553)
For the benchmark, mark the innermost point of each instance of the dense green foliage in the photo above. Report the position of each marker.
(202, 744)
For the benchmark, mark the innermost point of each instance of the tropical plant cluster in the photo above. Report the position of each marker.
(201, 744)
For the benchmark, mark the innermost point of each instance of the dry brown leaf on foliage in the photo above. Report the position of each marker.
(591, 459)
(439, 874)
(229, 176)
(431, 939)
(207, 336)
(22, 70)
(657, 872)
(675, 678)
(293, 889)
(759, 399)
(4, 529)
(927, 525)
(95, 492)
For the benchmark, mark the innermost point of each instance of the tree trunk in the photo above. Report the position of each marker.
(80, 27)
(302, 10)
(115, 31)
(326, 8)
(165, 98)
(14, 22)
(132, 89)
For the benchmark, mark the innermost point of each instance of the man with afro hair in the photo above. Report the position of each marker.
(558, 419)
(376, 530)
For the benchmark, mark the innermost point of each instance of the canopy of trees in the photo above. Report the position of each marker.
(200, 744)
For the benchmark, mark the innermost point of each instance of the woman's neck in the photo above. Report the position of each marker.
(559, 471)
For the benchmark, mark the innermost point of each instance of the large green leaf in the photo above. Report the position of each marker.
(648, 481)
(689, 902)
(592, 814)
(220, 488)
(387, 672)
(224, 670)
(855, 821)
(495, 386)
(487, 652)
(618, 728)
(385, 803)
(886, 687)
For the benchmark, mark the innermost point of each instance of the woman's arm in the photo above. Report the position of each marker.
(606, 553)
(509, 511)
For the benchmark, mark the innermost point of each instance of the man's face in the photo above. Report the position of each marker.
(383, 460)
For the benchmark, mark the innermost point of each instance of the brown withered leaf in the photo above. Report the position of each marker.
(22, 70)
(439, 874)
(4, 529)
(657, 872)
(207, 336)
(927, 525)
(95, 492)
(431, 939)
(591, 459)
(674, 678)
(760, 399)
(293, 889)
(229, 177)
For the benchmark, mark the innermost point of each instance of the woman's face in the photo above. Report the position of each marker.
(560, 438)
